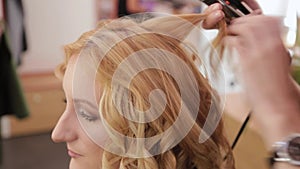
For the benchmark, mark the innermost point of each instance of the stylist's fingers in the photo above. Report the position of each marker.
(246, 18)
(256, 12)
(212, 8)
(255, 26)
(237, 29)
(233, 42)
(212, 19)
(214, 15)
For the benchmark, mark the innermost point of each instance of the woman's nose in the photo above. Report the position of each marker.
(65, 129)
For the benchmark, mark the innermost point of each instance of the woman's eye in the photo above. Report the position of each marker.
(65, 100)
(87, 116)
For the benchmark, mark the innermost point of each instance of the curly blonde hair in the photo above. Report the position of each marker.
(214, 153)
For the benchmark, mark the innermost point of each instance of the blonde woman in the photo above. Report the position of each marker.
(136, 99)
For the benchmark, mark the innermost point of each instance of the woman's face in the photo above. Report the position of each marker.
(80, 113)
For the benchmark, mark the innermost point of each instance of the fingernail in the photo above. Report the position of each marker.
(216, 6)
(257, 11)
(219, 14)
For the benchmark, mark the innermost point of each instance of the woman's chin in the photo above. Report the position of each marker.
(81, 163)
(76, 164)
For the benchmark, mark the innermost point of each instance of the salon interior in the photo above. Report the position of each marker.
(32, 99)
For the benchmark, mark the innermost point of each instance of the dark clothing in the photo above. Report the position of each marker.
(122, 8)
(12, 44)
(11, 96)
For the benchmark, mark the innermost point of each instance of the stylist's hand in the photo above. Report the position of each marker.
(215, 14)
(263, 68)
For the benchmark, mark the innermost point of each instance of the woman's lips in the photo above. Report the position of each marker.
(72, 154)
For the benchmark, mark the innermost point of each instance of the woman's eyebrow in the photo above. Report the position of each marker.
(86, 102)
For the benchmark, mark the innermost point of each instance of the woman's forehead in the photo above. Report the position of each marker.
(80, 78)
(68, 75)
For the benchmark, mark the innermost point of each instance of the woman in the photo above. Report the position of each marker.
(135, 99)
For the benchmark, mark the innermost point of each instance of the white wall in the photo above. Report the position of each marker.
(274, 7)
(287, 9)
(50, 24)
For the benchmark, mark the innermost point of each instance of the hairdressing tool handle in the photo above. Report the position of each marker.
(238, 5)
(231, 8)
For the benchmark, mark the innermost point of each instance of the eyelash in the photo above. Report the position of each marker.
(83, 114)
(87, 117)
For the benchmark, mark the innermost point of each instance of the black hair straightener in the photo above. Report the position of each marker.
(231, 8)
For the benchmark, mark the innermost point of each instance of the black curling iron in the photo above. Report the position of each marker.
(231, 8)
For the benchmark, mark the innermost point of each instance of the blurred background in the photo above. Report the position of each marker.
(33, 33)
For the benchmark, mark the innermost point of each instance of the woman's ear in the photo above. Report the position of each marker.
(177, 26)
